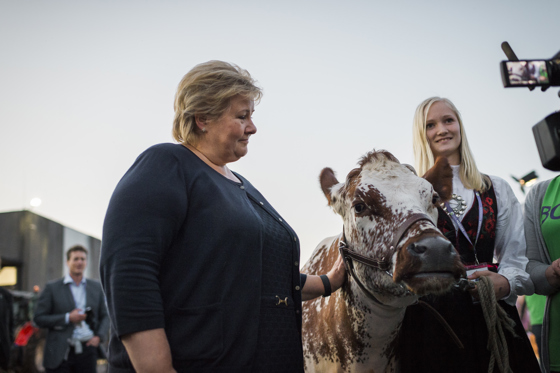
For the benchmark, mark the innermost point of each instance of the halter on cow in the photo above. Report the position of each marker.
(393, 252)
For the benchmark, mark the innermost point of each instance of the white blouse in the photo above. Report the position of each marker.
(509, 246)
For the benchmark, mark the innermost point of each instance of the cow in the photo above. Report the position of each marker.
(393, 254)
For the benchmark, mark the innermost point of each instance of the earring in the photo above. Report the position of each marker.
(204, 130)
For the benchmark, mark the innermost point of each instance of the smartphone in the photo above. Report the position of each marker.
(525, 73)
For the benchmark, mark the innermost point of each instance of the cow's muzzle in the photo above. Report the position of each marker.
(435, 253)
(430, 264)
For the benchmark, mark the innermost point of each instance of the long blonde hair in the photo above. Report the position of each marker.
(424, 158)
(207, 91)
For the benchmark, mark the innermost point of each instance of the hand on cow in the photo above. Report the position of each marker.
(314, 287)
(501, 284)
(337, 274)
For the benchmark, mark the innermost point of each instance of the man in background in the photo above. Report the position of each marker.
(74, 312)
(6, 326)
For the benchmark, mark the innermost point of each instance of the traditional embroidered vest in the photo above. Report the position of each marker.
(485, 244)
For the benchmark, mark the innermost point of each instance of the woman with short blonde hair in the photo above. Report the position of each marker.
(206, 91)
(194, 258)
(484, 222)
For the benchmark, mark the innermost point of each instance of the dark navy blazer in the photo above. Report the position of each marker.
(181, 250)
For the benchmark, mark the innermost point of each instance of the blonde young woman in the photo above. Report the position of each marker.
(484, 221)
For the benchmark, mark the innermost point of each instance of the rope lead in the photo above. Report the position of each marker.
(496, 321)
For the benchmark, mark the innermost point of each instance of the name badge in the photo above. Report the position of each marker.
(481, 267)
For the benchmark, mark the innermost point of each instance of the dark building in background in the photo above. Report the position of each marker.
(35, 247)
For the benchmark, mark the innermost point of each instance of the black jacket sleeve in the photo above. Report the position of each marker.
(146, 210)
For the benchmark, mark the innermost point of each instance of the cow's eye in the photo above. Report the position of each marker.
(359, 208)
(435, 198)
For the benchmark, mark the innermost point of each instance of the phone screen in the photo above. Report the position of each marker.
(525, 73)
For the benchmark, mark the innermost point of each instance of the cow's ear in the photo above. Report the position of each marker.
(441, 177)
(410, 168)
(327, 180)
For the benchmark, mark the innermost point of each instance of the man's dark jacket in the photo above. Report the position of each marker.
(57, 300)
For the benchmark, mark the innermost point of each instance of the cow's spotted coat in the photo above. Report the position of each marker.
(349, 332)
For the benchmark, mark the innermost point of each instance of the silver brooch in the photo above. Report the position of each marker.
(457, 204)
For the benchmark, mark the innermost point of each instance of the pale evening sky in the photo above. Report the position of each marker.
(86, 86)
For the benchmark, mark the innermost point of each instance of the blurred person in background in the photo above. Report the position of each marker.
(535, 305)
(73, 311)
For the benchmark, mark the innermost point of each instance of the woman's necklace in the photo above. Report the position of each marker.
(457, 204)
(223, 170)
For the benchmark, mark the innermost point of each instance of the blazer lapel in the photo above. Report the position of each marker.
(90, 294)
(67, 294)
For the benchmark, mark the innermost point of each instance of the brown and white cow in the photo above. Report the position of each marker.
(356, 328)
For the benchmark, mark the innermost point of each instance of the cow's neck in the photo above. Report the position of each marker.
(382, 317)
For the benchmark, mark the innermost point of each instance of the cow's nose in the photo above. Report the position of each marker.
(436, 246)
(417, 248)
